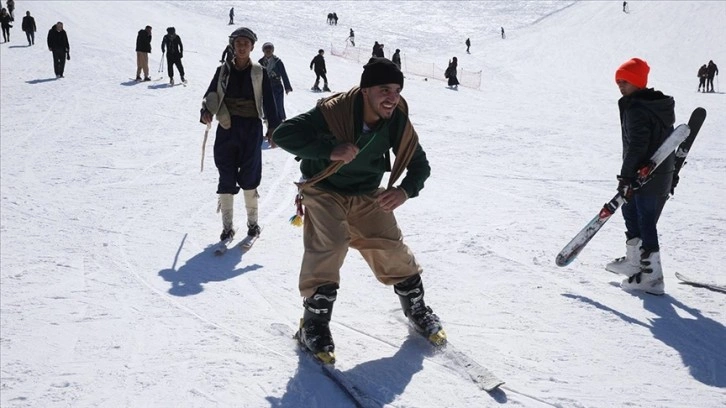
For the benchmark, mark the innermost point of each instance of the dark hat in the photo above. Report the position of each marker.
(268, 45)
(242, 32)
(171, 30)
(379, 71)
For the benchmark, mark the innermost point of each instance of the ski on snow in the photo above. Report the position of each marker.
(679, 137)
(700, 283)
(222, 247)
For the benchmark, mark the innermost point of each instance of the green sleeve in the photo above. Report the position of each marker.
(306, 136)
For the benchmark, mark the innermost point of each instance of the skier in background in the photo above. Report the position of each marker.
(239, 95)
(646, 118)
(702, 75)
(279, 81)
(172, 45)
(231, 16)
(625, 7)
(503, 35)
(711, 72)
(318, 63)
(468, 44)
(29, 27)
(351, 37)
(345, 206)
(143, 49)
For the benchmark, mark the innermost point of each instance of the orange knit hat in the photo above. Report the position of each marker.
(635, 71)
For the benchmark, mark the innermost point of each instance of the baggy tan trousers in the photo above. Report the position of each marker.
(142, 63)
(336, 222)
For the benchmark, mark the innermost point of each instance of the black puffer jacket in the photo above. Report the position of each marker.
(143, 41)
(647, 117)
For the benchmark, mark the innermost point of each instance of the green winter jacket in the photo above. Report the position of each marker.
(309, 138)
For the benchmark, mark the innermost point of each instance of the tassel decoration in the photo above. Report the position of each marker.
(297, 219)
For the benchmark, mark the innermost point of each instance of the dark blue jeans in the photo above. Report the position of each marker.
(238, 155)
(278, 94)
(641, 215)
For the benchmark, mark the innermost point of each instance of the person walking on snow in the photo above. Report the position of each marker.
(5, 20)
(344, 143)
(29, 28)
(58, 45)
(231, 16)
(711, 72)
(143, 49)
(468, 44)
(239, 95)
(451, 72)
(318, 64)
(279, 81)
(351, 37)
(646, 119)
(396, 58)
(172, 45)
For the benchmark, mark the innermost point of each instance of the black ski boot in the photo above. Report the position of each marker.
(226, 234)
(314, 333)
(420, 316)
(253, 230)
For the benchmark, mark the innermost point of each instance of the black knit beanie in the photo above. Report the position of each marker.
(379, 71)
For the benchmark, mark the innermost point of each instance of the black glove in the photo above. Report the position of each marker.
(674, 183)
(181, 55)
(68, 56)
(626, 186)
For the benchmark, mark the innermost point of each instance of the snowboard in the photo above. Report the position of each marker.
(679, 135)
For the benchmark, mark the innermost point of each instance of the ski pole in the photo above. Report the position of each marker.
(161, 62)
(204, 143)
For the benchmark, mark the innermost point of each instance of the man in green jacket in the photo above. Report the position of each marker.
(344, 145)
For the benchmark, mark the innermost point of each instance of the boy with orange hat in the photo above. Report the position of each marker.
(646, 118)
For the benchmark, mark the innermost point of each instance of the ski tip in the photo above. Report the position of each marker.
(325, 357)
(562, 261)
(438, 339)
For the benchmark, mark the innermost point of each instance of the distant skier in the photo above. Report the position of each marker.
(279, 82)
(712, 71)
(318, 64)
(29, 27)
(646, 119)
(239, 95)
(468, 44)
(172, 45)
(351, 37)
(625, 7)
(396, 58)
(335, 18)
(702, 75)
(231, 16)
(143, 49)
(503, 35)
(58, 45)
(450, 73)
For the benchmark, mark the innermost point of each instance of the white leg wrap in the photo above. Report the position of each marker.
(226, 207)
(251, 197)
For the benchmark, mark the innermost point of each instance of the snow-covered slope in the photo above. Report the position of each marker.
(110, 295)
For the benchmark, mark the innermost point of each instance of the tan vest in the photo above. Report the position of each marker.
(214, 101)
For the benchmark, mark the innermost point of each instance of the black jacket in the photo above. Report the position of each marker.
(319, 63)
(172, 46)
(58, 40)
(712, 69)
(143, 41)
(28, 24)
(646, 118)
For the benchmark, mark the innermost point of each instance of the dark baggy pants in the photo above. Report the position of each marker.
(31, 37)
(319, 75)
(238, 155)
(641, 215)
(172, 60)
(59, 61)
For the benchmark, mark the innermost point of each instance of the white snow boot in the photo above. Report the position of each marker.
(628, 265)
(650, 277)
